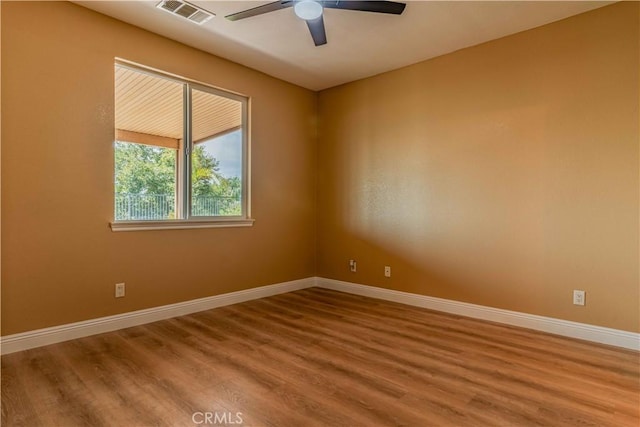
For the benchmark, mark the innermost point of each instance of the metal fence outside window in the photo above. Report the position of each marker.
(138, 207)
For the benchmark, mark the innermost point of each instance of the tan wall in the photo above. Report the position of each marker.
(505, 174)
(60, 260)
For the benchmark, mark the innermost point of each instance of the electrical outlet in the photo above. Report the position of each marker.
(578, 297)
(352, 265)
(119, 290)
(387, 271)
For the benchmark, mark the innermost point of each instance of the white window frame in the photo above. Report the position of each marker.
(183, 164)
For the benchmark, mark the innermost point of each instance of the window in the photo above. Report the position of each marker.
(180, 153)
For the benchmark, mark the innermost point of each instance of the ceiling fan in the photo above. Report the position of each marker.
(311, 11)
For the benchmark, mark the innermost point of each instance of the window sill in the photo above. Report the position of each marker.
(179, 224)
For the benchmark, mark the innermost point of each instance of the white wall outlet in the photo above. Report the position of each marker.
(387, 271)
(352, 265)
(119, 290)
(578, 297)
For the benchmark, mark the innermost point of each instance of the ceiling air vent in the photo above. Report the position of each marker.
(185, 10)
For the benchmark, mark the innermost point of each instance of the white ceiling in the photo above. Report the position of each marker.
(360, 44)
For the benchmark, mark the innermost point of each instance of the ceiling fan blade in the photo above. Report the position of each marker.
(316, 28)
(391, 7)
(270, 7)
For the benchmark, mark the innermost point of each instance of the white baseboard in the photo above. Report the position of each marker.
(56, 334)
(565, 328)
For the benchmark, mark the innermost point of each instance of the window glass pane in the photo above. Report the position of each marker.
(216, 161)
(149, 131)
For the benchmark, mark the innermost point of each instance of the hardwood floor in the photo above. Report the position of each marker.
(321, 358)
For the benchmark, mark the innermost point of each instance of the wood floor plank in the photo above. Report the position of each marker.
(317, 357)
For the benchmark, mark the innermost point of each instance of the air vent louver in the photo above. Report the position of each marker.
(185, 10)
(200, 17)
(170, 5)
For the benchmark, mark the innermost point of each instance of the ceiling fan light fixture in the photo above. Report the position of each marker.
(308, 10)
